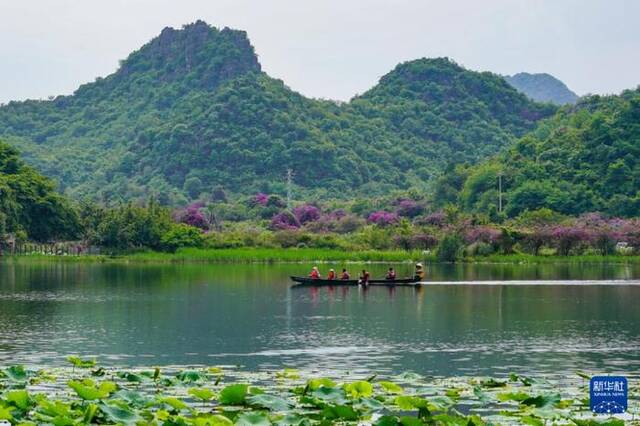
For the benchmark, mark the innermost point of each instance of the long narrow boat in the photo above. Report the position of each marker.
(310, 282)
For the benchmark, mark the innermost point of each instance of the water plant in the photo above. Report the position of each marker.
(223, 396)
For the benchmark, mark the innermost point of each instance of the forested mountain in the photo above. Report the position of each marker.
(28, 203)
(542, 88)
(585, 158)
(191, 111)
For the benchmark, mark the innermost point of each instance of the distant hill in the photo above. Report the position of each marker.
(192, 111)
(585, 158)
(542, 88)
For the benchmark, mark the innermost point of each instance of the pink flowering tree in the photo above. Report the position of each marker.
(533, 240)
(567, 238)
(630, 233)
(604, 232)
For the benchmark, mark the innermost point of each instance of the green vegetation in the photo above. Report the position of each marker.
(407, 229)
(542, 88)
(584, 159)
(246, 255)
(274, 255)
(129, 227)
(29, 204)
(191, 116)
(225, 396)
(191, 113)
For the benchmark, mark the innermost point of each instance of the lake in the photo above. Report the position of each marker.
(474, 320)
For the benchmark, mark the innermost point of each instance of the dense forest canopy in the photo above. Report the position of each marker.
(585, 158)
(191, 111)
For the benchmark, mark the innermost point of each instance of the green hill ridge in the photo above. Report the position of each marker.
(191, 111)
(542, 88)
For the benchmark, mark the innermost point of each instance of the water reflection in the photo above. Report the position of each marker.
(250, 315)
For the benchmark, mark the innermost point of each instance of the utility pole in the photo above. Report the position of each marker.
(500, 191)
(289, 187)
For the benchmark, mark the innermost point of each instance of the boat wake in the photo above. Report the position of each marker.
(537, 282)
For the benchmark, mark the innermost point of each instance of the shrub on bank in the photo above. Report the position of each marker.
(181, 235)
(450, 248)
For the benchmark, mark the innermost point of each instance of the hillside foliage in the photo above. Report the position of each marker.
(191, 111)
(584, 159)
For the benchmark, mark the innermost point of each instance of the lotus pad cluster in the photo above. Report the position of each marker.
(89, 394)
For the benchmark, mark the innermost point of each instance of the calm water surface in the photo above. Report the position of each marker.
(477, 320)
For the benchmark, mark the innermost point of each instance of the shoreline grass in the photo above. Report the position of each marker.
(521, 258)
(306, 255)
(241, 255)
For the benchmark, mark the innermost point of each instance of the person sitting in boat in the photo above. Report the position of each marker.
(331, 275)
(345, 274)
(315, 274)
(391, 274)
(364, 277)
(419, 272)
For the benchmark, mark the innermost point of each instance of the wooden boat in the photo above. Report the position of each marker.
(310, 282)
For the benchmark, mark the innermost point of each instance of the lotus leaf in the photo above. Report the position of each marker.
(253, 419)
(234, 394)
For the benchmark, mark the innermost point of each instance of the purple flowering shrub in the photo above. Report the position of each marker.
(409, 208)
(482, 234)
(260, 199)
(342, 224)
(284, 220)
(383, 218)
(192, 215)
(438, 219)
(337, 214)
(306, 213)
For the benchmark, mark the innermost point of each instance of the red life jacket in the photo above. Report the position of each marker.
(331, 276)
(314, 274)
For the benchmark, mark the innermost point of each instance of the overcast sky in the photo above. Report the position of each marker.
(328, 48)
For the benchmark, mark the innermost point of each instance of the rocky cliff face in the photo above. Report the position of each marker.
(202, 55)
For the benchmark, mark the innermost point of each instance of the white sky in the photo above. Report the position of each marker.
(329, 48)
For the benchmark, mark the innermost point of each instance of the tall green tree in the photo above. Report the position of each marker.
(29, 202)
